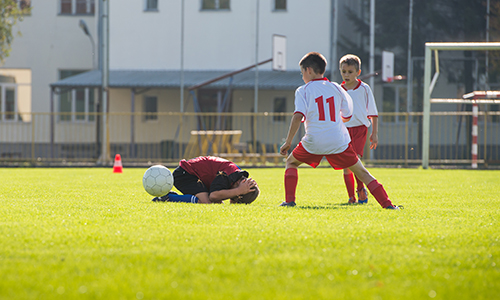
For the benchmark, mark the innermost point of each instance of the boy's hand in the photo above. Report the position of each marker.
(246, 186)
(284, 148)
(373, 141)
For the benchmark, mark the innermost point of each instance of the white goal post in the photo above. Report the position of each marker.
(429, 86)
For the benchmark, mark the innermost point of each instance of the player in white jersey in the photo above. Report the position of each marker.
(323, 106)
(364, 114)
(316, 102)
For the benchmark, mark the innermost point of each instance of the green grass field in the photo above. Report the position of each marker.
(91, 234)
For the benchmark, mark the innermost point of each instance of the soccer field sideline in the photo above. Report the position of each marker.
(92, 234)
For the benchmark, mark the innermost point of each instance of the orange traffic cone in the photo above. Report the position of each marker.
(117, 167)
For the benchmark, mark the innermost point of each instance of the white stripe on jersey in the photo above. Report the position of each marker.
(363, 104)
(323, 104)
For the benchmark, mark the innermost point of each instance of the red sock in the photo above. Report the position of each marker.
(349, 184)
(379, 193)
(359, 184)
(291, 180)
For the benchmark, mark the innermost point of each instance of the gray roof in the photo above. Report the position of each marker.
(268, 80)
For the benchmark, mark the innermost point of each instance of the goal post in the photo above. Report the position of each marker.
(428, 87)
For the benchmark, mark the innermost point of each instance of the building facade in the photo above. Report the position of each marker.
(160, 51)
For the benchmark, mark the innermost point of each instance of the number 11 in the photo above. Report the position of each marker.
(321, 108)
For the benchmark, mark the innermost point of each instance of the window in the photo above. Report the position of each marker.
(279, 106)
(150, 108)
(23, 4)
(279, 4)
(76, 105)
(212, 101)
(151, 5)
(66, 7)
(8, 102)
(15, 95)
(76, 7)
(214, 4)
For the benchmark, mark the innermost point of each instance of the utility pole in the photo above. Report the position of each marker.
(104, 53)
(409, 75)
(372, 42)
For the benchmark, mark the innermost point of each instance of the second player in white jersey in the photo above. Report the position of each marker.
(324, 104)
(364, 106)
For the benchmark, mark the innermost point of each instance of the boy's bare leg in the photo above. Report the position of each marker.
(361, 172)
(376, 189)
(203, 198)
(360, 189)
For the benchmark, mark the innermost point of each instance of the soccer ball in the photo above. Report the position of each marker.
(158, 180)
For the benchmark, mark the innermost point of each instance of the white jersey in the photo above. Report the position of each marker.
(323, 105)
(363, 104)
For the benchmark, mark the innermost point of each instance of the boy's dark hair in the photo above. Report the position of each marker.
(224, 182)
(350, 60)
(314, 60)
(247, 198)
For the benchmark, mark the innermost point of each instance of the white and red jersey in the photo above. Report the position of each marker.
(324, 104)
(363, 104)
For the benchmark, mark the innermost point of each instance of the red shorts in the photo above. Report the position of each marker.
(338, 161)
(358, 138)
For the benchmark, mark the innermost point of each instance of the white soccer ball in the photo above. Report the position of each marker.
(158, 180)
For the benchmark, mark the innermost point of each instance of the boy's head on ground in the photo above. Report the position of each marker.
(315, 61)
(236, 179)
(246, 198)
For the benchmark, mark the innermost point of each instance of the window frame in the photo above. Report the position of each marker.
(24, 6)
(74, 4)
(149, 116)
(3, 103)
(211, 100)
(77, 116)
(89, 98)
(280, 9)
(217, 6)
(149, 9)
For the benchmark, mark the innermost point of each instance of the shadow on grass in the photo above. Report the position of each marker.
(328, 206)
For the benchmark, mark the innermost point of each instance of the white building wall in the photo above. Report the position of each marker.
(223, 40)
(49, 43)
(214, 39)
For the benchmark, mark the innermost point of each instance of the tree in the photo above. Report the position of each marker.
(494, 56)
(433, 21)
(11, 11)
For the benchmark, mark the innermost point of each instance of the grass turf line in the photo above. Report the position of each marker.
(92, 234)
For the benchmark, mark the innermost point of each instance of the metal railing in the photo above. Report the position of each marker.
(247, 138)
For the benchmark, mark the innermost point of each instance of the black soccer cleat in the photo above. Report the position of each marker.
(289, 204)
(163, 198)
(395, 207)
